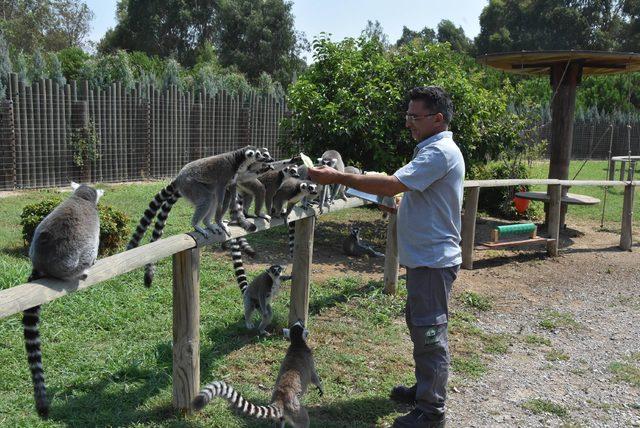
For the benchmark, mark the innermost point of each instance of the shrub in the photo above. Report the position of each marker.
(355, 95)
(72, 60)
(113, 223)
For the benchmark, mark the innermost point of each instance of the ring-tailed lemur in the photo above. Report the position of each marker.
(260, 293)
(64, 245)
(264, 188)
(209, 184)
(332, 159)
(297, 371)
(291, 191)
(353, 246)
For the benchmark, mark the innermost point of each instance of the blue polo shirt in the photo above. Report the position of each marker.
(429, 215)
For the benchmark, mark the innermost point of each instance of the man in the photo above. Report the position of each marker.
(428, 244)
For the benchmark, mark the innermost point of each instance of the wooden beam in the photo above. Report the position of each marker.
(555, 194)
(301, 270)
(391, 258)
(16, 299)
(469, 226)
(626, 235)
(186, 327)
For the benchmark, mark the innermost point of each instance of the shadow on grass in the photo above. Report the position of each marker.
(116, 399)
(359, 412)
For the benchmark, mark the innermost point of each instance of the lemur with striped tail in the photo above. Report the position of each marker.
(297, 371)
(209, 184)
(260, 292)
(64, 245)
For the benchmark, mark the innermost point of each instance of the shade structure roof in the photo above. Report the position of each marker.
(540, 62)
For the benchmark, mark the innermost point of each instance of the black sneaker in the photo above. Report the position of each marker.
(418, 419)
(402, 394)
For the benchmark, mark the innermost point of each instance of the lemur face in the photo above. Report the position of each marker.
(329, 162)
(312, 189)
(275, 270)
(291, 171)
(355, 231)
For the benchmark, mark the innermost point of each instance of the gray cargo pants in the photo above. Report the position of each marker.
(427, 312)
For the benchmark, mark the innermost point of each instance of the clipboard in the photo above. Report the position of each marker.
(387, 201)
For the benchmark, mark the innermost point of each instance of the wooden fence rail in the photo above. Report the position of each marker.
(185, 250)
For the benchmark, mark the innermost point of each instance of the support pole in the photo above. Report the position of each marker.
(391, 258)
(469, 226)
(186, 327)
(555, 198)
(301, 270)
(626, 236)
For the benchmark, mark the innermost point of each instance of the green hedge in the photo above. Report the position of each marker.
(113, 224)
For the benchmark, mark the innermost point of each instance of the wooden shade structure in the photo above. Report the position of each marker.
(565, 70)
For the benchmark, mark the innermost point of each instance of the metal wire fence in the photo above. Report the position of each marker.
(51, 134)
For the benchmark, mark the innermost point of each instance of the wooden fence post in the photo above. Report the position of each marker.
(8, 177)
(186, 327)
(301, 270)
(553, 225)
(469, 227)
(391, 259)
(626, 237)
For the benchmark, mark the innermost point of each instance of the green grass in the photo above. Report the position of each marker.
(553, 320)
(107, 351)
(534, 339)
(475, 300)
(627, 371)
(592, 170)
(538, 406)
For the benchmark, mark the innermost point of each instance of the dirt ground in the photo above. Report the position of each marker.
(592, 287)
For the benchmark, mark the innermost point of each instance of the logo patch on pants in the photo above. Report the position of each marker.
(431, 335)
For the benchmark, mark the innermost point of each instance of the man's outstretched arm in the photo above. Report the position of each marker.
(384, 185)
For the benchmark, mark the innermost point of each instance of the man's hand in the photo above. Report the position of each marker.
(324, 175)
(389, 209)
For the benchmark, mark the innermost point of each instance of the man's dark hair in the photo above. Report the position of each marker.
(435, 99)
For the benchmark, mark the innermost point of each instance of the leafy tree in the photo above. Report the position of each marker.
(374, 30)
(161, 27)
(55, 70)
(448, 32)
(512, 25)
(171, 76)
(427, 35)
(354, 95)
(251, 35)
(45, 24)
(38, 69)
(20, 66)
(5, 66)
(72, 60)
(257, 36)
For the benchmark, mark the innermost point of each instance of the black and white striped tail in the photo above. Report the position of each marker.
(150, 213)
(291, 227)
(149, 270)
(237, 214)
(221, 389)
(30, 321)
(238, 266)
(246, 247)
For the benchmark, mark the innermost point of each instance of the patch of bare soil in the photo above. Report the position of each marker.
(572, 378)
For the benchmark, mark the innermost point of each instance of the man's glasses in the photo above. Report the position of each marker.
(412, 117)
